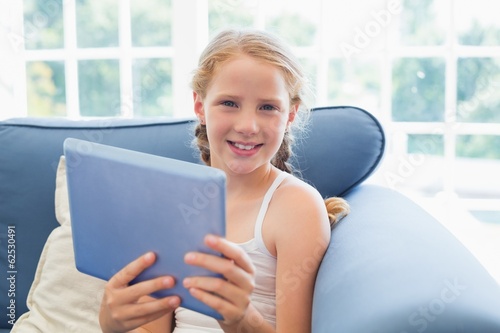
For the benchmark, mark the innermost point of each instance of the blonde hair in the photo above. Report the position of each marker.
(268, 48)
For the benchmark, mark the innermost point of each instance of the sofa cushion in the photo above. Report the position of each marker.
(61, 299)
(341, 148)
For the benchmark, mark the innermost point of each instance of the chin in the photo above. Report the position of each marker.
(241, 168)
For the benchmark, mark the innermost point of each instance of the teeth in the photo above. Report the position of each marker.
(240, 146)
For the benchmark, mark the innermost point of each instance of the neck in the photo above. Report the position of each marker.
(249, 184)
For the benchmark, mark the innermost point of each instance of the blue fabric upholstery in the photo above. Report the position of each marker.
(342, 147)
(385, 260)
(391, 268)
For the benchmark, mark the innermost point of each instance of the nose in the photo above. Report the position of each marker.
(247, 122)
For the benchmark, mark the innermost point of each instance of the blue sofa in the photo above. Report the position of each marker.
(390, 267)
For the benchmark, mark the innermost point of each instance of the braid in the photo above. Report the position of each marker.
(337, 209)
(283, 154)
(201, 139)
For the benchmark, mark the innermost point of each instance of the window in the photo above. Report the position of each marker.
(79, 58)
(429, 70)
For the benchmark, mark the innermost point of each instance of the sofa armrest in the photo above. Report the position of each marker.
(393, 268)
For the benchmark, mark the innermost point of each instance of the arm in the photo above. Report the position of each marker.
(298, 261)
(298, 229)
(125, 308)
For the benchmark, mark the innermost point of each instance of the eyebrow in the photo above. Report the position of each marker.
(229, 96)
(270, 99)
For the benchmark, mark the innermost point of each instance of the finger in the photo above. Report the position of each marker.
(132, 270)
(133, 316)
(148, 287)
(219, 287)
(153, 308)
(223, 266)
(231, 251)
(229, 311)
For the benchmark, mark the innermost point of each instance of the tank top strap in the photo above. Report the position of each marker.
(263, 210)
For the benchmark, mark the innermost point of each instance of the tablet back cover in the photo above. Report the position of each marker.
(125, 203)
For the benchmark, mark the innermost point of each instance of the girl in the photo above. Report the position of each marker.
(248, 92)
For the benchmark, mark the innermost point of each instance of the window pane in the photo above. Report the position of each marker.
(418, 89)
(478, 84)
(153, 87)
(488, 216)
(99, 89)
(97, 23)
(43, 24)
(151, 22)
(347, 82)
(355, 28)
(423, 22)
(477, 165)
(427, 144)
(479, 146)
(230, 13)
(293, 21)
(477, 22)
(46, 88)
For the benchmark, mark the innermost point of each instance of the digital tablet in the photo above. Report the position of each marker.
(125, 203)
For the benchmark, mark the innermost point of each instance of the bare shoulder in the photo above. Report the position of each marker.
(298, 210)
(299, 195)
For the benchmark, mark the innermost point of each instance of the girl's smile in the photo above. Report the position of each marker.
(244, 149)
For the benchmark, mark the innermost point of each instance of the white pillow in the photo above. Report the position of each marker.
(61, 299)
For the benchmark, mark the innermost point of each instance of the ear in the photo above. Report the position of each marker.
(198, 107)
(293, 112)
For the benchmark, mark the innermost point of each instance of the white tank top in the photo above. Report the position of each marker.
(264, 294)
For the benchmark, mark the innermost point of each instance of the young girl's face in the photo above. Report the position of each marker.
(246, 110)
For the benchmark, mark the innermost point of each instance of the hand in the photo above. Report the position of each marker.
(229, 297)
(125, 307)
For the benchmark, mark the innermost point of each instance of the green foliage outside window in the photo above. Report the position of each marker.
(97, 23)
(229, 13)
(427, 144)
(99, 89)
(152, 87)
(46, 89)
(478, 84)
(418, 89)
(151, 22)
(479, 146)
(419, 24)
(480, 33)
(43, 24)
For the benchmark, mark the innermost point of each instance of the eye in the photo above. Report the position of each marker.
(229, 104)
(268, 107)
